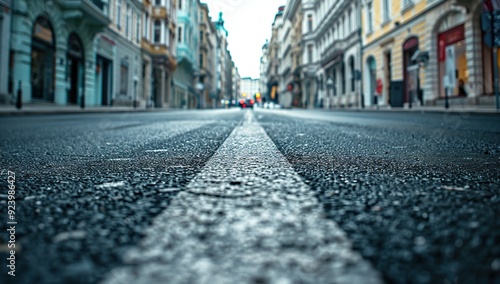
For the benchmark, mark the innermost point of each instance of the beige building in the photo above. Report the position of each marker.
(207, 58)
(158, 51)
(405, 53)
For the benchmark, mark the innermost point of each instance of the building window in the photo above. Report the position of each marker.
(180, 4)
(146, 26)
(179, 33)
(138, 30)
(118, 12)
(309, 23)
(201, 60)
(349, 19)
(201, 36)
(128, 22)
(369, 16)
(158, 2)
(386, 10)
(310, 53)
(157, 32)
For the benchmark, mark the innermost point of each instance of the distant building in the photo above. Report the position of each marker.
(187, 73)
(158, 46)
(273, 74)
(249, 87)
(263, 71)
(207, 58)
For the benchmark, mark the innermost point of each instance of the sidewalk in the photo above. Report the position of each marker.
(425, 109)
(30, 109)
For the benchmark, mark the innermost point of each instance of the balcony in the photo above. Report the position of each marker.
(94, 11)
(335, 51)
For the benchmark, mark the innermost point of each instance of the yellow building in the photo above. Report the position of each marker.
(405, 43)
(158, 51)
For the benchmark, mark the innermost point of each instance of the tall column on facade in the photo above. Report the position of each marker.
(163, 87)
(474, 51)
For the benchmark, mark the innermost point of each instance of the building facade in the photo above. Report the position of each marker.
(52, 50)
(274, 60)
(263, 71)
(158, 52)
(117, 55)
(338, 47)
(406, 50)
(5, 19)
(187, 73)
(221, 59)
(207, 58)
(310, 68)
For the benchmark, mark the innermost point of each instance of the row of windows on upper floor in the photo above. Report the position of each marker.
(347, 23)
(386, 12)
(180, 3)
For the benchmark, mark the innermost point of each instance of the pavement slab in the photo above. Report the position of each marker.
(247, 217)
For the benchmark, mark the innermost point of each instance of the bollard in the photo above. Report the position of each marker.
(19, 101)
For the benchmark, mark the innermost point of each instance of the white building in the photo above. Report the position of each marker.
(336, 26)
(249, 87)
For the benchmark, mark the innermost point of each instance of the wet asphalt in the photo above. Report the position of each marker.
(417, 195)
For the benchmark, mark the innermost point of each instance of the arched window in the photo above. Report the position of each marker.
(157, 32)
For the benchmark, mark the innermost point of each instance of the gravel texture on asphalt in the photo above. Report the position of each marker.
(247, 217)
(421, 201)
(86, 194)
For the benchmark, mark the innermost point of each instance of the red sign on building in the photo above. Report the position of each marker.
(448, 38)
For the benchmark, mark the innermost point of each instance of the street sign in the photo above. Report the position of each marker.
(450, 66)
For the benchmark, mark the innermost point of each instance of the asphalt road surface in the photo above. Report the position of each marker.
(263, 196)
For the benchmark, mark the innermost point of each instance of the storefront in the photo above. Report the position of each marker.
(104, 69)
(75, 69)
(410, 73)
(42, 60)
(453, 38)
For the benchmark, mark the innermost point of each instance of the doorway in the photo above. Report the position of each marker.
(388, 75)
(372, 72)
(104, 79)
(75, 69)
(409, 48)
(42, 60)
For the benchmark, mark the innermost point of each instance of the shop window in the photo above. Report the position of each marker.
(454, 39)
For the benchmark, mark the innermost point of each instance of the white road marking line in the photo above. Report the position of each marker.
(247, 217)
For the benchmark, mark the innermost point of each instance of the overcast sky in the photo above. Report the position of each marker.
(249, 25)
